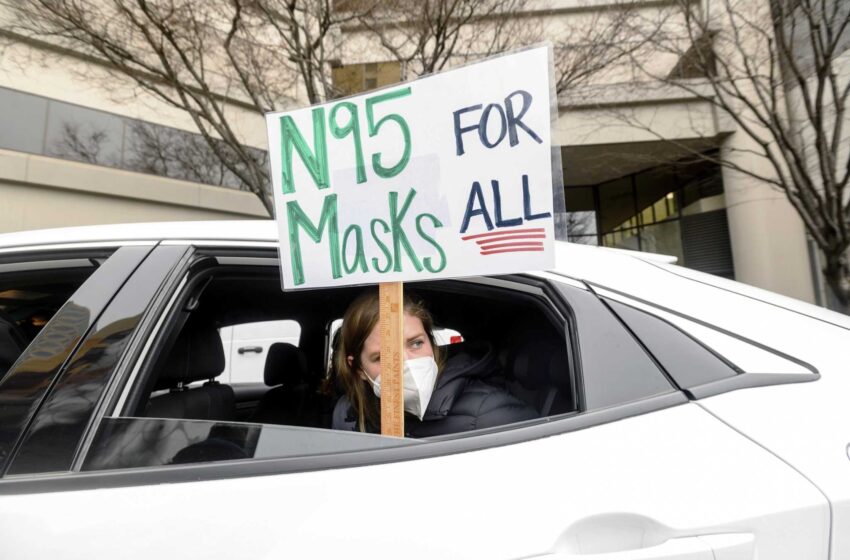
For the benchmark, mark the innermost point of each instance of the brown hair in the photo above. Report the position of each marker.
(359, 320)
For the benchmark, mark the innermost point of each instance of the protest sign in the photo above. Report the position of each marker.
(446, 176)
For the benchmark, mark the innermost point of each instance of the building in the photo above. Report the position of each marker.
(73, 154)
(626, 184)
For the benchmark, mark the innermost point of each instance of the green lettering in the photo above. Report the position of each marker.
(360, 257)
(373, 128)
(399, 237)
(429, 239)
(298, 219)
(315, 161)
(353, 126)
(384, 249)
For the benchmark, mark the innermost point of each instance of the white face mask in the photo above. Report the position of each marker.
(420, 376)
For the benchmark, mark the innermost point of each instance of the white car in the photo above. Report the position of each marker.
(682, 416)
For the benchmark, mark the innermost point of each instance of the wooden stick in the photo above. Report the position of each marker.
(391, 306)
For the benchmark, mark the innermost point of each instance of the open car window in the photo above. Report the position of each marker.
(161, 396)
(188, 373)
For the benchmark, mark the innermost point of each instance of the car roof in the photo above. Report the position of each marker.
(235, 230)
(614, 268)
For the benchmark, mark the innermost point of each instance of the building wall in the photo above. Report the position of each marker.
(608, 128)
(45, 192)
(40, 192)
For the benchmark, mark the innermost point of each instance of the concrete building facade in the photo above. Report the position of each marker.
(626, 185)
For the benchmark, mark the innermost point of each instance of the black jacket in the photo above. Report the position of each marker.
(462, 399)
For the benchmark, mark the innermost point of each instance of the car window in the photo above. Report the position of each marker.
(44, 394)
(190, 374)
(246, 347)
(126, 443)
(686, 360)
(739, 353)
(154, 392)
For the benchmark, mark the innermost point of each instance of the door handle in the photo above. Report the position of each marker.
(732, 546)
(244, 349)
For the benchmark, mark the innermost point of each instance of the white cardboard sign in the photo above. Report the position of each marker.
(446, 176)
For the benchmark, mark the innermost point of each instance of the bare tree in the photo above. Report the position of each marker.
(594, 43)
(427, 36)
(780, 69)
(170, 152)
(204, 58)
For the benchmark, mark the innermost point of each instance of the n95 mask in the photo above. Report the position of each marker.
(420, 376)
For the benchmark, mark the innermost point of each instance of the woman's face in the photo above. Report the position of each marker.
(416, 345)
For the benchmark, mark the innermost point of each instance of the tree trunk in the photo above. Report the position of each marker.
(837, 274)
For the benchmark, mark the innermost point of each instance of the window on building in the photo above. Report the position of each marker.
(357, 78)
(677, 209)
(37, 125)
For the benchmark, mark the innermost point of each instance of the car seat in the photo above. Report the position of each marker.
(541, 375)
(293, 399)
(197, 354)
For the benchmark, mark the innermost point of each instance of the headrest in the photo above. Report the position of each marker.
(197, 354)
(285, 365)
(541, 363)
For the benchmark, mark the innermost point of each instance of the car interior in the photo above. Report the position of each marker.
(182, 379)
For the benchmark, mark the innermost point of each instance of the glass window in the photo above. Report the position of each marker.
(656, 199)
(581, 215)
(192, 379)
(357, 78)
(664, 238)
(123, 443)
(31, 123)
(247, 345)
(81, 134)
(687, 361)
(616, 205)
(22, 120)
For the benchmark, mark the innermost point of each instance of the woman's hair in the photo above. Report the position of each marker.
(357, 324)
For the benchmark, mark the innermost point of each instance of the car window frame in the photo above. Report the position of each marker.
(478, 440)
(119, 265)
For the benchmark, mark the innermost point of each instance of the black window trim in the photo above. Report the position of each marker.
(95, 302)
(129, 361)
(744, 379)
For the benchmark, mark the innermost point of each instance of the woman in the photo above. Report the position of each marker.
(440, 396)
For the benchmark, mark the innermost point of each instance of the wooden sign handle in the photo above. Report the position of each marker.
(391, 321)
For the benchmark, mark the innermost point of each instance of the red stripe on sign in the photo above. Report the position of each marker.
(508, 237)
(513, 244)
(515, 250)
(503, 232)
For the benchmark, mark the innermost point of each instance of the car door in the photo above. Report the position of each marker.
(639, 472)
